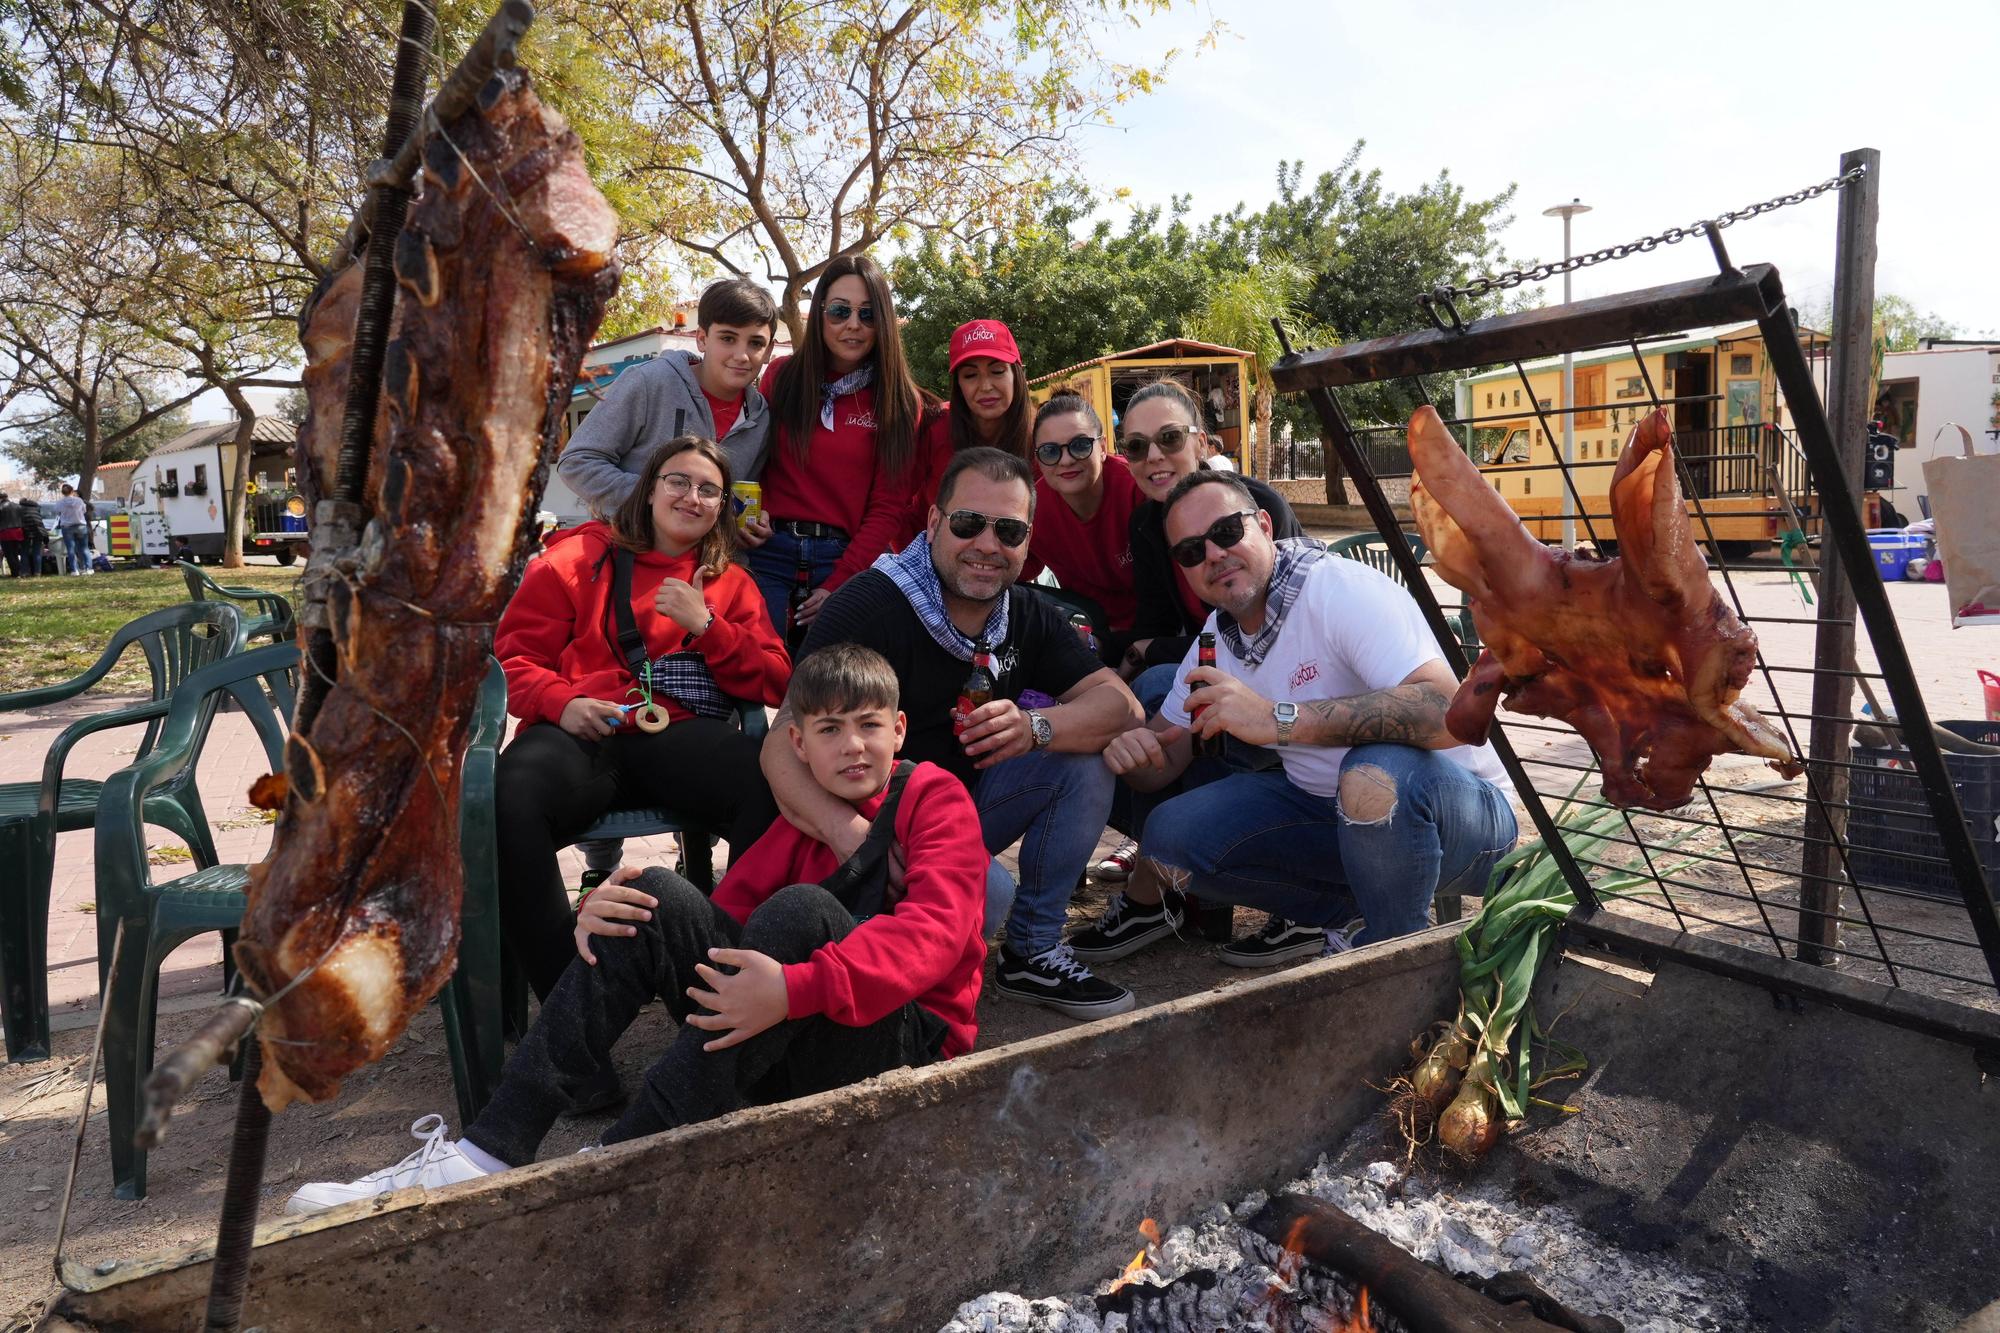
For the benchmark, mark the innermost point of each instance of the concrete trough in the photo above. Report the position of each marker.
(1847, 1166)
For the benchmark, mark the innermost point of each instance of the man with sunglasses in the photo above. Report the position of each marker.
(1375, 807)
(1030, 763)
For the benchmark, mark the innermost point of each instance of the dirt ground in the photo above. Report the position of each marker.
(367, 1127)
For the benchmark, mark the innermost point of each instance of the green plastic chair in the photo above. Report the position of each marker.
(488, 998)
(273, 615)
(1370, 549)
(159, 916)
(176, 641)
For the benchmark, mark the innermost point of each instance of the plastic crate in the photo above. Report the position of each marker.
(1891, 816)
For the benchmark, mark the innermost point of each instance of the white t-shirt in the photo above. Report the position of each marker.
(69, 509)
(1352, 631)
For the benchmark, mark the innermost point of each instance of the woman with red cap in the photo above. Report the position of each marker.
(989, 406)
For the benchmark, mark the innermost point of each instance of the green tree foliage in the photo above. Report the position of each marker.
(1066, 299)
(1242, 302)
(53, 445)
(1899, 325)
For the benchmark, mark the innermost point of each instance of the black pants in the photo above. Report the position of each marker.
(569, 1047)
(15, 551)
(550, 786)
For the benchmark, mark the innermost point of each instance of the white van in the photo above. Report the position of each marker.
(176, 502)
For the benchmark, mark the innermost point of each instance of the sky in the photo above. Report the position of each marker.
(1654, 116)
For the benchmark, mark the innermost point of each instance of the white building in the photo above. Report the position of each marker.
(1941, 382)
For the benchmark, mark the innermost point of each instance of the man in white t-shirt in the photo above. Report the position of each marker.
(1375, 807)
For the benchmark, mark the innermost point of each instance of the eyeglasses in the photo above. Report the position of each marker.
(969, 523)
(839, 312)
(1051, 451)
(1225, 532)
(1171, 441)
(678, 484)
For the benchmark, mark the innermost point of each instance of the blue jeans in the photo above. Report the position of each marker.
(775, 567)
(1257, 840)
(1056, 804)
(76, 546)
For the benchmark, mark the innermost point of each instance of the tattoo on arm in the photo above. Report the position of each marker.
(1410, 714)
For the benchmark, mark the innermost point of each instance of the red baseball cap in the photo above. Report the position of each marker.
(982, 337)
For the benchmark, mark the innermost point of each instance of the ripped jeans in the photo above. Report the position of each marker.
(1257, 840)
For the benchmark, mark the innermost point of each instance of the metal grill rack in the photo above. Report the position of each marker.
(1755, 877)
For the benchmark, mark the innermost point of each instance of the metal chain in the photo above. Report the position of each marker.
(1555, 268)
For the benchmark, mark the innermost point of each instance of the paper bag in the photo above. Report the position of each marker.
(1965, 501)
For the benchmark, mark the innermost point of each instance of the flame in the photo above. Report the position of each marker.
(1358, 1322)
(1143, 1259)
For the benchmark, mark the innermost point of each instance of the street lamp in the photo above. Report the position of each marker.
(1566, 212)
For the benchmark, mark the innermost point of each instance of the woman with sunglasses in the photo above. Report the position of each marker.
(989, 406)
(1163, 441)
(1084, 501)
(662, 569)
(846, 413)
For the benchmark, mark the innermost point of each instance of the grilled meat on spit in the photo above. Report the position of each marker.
(503, 272)
(1638, 653)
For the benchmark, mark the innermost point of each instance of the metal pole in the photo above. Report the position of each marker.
(1566, 212)
(1852, 359)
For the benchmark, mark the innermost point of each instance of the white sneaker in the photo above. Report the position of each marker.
(438, 1162)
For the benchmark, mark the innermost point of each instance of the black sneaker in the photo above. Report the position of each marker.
(592, 878)
(1053, 978)
(1340, 939)
(1280, 941)
(1125, 928)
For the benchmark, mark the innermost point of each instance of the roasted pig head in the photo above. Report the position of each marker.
(1638, 653)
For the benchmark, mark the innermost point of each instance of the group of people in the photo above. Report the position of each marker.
(25, 533)
(1266, 724)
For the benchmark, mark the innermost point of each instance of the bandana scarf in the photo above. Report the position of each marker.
(852, 382)
(913, 573)
(1296, 557)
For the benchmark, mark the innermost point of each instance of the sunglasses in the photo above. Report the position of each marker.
(1078, 446)
(1171, 441)
(969, 523)
(839, 312)
(1225, 532)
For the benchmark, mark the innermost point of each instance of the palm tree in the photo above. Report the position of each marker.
(1239, 312)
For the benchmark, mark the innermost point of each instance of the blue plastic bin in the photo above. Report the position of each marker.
(1894, 549)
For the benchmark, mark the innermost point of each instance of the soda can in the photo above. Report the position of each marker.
(748, 497)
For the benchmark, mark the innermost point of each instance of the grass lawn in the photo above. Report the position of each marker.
(52, 629)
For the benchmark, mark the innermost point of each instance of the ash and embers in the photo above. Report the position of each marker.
(1473, 1229)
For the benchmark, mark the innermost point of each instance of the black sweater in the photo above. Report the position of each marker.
(1162, 617)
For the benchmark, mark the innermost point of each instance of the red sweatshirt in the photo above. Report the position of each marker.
(556, 638)
(1092, 556)
(926, 471)
(929, 947)
(840, 481)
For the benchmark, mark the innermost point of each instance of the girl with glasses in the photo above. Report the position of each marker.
(1084, 501)
(846, 414)
(988, 406)
(699, 639)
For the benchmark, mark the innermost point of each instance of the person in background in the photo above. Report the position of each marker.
(803, 974)
(73, 521)
(702, 640)
(989, 406)
(1374, 808)
(1030, 755)
(34, 535)
(712, 393)
(847, 415)
(13, 541)
(1084, 501)
(1218, 456)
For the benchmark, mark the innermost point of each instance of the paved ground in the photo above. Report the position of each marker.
(366, 1128)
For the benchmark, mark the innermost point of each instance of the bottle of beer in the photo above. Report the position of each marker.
(1080, 622)
(1206, 747)
(978, 688)
(795, 633)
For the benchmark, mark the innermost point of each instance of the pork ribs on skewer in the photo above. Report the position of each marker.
(1638, 653)
(503, 269)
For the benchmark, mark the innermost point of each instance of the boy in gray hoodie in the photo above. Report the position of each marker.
(713, 394)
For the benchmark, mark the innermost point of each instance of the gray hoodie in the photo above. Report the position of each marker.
(647, 405)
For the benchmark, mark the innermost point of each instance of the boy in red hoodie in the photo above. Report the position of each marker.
(802, 974)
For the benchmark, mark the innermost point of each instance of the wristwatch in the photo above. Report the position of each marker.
(1286, 714)
(1040, 729)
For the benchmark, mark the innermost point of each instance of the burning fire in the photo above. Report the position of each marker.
(1358, 1322)
(1287, 1273)
(1144, 1258)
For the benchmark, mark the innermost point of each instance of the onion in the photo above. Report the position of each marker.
(1434, 1079)
(1470, 1126)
